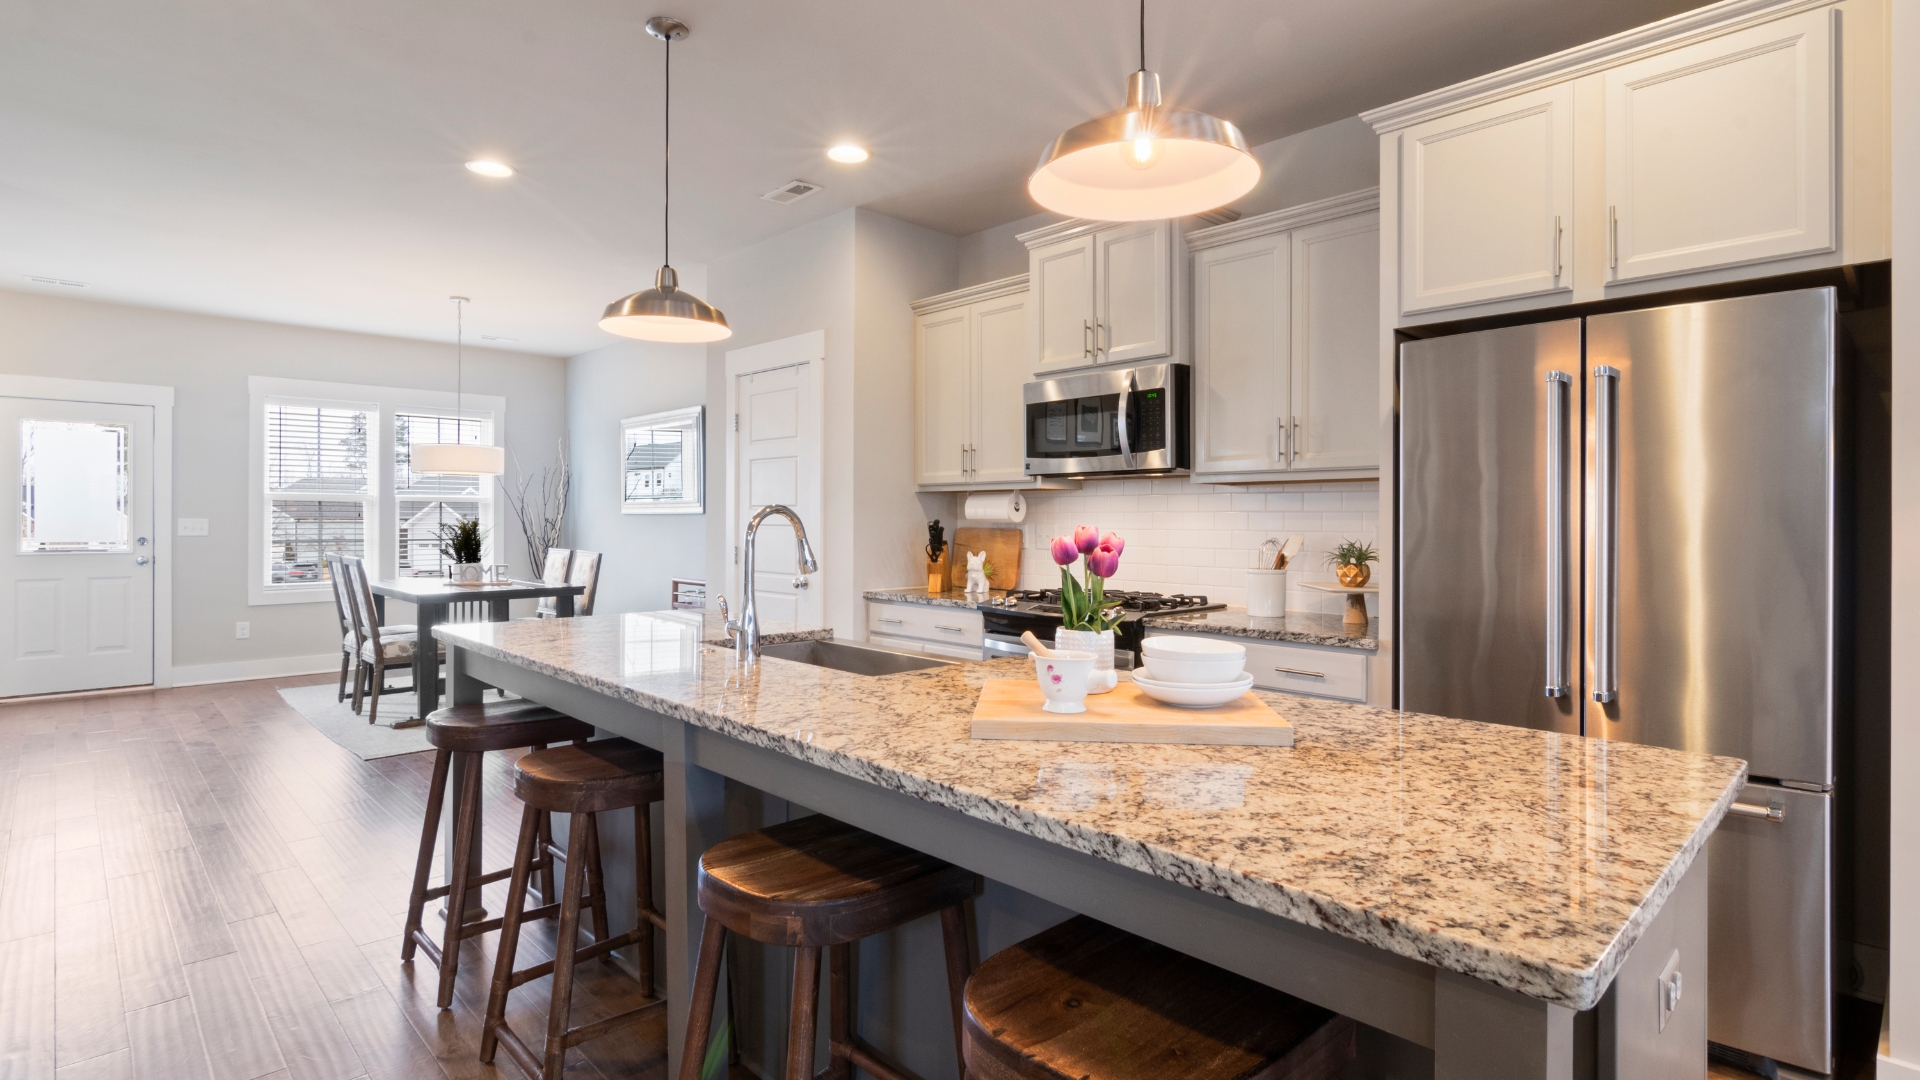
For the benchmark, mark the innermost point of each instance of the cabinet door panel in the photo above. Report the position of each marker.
(1133, 295)
(1487, 202)
(1240, 297)
(945, 386)
(1722, 152)
(1062, 297)
(1335, 358)
(1000, 366)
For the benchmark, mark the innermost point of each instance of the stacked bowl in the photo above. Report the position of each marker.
(1194, 672)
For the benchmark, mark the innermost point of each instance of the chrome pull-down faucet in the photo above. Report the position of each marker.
(746, 631)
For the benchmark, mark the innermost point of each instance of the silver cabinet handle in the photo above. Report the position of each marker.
(1556, 247)
(1086, 337)
(952, 629)
(1559, 389)
(1613, 238)
(1120, 422)
(1280, 439)
(1301, 672)
(1606, 614)
(1764, 813)
(1293, 440)
(891, 622)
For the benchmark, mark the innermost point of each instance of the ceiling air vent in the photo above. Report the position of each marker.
(38, 279)
(791, 191)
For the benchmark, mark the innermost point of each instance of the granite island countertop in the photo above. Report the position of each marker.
(1303, 627)
(1528, 859)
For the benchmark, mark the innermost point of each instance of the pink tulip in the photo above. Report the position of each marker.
(1064, 552)
(1086, 538)
(1113, 541)
(1103, 561)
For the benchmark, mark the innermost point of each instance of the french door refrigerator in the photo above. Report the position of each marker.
(1623, 526)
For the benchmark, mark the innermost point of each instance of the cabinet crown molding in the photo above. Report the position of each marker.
(1292, 217)
(1628, 45)
(1061, 230)
(988, 290)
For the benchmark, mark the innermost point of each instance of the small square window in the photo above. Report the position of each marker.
(661, 458)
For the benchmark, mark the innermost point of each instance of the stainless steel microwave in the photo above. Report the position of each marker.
(1124, 420)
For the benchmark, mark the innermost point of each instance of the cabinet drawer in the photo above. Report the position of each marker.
(1333, 673)
(945, 625)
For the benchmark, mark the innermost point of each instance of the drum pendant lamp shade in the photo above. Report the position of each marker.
(457, 459)
(1144, 162)
(666, 312)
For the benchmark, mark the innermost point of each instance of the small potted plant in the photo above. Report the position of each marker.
(1349, 561)
(460, 544)
(1086, 621)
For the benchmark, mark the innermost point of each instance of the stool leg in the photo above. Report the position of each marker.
(545, 879)
(953, 930)
(643, 894)
(463, 822)
(523, 856)
(706, 987)
(804, 1025)
(839, 1013)
(579, 829)
(429, 837)
(596, 880)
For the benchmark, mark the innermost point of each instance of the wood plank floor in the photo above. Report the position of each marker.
(196, 883)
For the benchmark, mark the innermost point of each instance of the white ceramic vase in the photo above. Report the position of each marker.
(1104, 677)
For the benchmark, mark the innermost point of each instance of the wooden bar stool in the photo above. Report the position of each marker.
(473, 730)
(582, 781)
(1084, 1001)
(814, 884)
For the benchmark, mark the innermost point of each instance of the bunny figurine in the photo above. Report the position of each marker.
(977, 574)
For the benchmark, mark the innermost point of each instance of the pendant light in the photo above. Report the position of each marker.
(1145, 162)
(457, 458)
(666, 312)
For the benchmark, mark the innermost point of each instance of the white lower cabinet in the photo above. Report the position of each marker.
(944, 631)
(1311, 670)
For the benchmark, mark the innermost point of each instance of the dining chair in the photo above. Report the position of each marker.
(349, 640)
(554, 572)
(380, 646)
(585, 570)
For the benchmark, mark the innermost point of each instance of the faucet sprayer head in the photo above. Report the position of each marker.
(808, 564)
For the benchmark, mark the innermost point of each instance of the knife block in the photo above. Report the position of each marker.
(937, 571)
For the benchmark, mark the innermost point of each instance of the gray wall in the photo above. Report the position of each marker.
(641, 553)
(207, 360)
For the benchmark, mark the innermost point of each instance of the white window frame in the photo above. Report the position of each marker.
(692, 462)
(381, 402)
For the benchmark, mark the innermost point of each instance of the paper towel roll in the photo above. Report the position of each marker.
(996, 506)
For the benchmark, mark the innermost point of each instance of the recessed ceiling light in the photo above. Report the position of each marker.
(848, 154)
(495, 169)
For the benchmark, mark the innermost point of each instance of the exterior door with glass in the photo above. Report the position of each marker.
(78, 574)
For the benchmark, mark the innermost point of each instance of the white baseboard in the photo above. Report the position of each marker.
(242, 670)
(1887, 1068)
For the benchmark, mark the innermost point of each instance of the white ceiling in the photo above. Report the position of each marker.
(300, 161)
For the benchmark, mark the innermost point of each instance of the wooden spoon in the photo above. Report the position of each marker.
(1031, 642)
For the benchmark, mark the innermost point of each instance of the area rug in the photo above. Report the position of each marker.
(337, 721)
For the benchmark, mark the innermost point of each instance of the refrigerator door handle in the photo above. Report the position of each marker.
(1606, 615)
(1776, 812)
(1559, 386)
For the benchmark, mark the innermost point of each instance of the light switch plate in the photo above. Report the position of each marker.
(193, 526)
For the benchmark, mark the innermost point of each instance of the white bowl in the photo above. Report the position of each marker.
(1194, 660)
(1191, 696)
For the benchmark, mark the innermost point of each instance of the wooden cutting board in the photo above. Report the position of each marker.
(1010, 709)
(1003, 552)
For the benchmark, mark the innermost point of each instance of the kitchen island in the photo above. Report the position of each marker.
(1470, 888)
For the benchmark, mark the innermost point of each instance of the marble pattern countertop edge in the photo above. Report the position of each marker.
(1300, 627)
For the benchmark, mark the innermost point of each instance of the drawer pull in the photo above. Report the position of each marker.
(893, 622)
(1298, 671)
(952, 629)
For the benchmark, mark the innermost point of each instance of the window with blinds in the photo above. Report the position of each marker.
(425, 505)
(319, 487)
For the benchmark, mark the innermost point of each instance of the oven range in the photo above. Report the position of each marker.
(1038, 610)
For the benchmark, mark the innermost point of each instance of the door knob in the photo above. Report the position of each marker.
(799, 583)
(139, 560)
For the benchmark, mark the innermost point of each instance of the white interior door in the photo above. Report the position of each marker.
(776, 458)
(78, 571)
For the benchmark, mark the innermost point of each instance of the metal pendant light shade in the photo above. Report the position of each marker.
(666, 312)
(455, 458)
(1145, 162)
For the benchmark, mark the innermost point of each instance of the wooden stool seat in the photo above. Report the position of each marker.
(818, 884)
(582, 780)
(1084, 1001)
(502, 725)
(612, 774)
(817, 881)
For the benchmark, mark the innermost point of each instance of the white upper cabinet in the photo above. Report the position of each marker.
(970, 362)
(1062, 325)
(1486, 198)
(1336, 338)
(1286, 338)
(1722, 152)
(1101, 294)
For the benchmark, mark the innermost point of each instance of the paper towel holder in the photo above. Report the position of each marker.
(1007, 506)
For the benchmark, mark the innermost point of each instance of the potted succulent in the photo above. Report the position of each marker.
(460, 544)
(1349, 561)
(1086, 621)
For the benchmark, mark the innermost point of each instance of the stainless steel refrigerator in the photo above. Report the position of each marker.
(1623, 526)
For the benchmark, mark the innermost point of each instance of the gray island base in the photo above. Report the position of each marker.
(1509, 899)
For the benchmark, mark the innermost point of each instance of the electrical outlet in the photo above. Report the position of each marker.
(193, 527)
(1669, 989)
(242, 630)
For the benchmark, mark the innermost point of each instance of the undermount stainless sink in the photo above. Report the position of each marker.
(858, 659)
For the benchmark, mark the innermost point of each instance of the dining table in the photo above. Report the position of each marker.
(434, 598)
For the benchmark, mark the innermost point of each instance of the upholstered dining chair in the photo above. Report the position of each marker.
(349, 639)
(380, 647)
(584, 570)
(554, 572)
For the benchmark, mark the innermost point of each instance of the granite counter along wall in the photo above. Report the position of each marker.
(1184, 536)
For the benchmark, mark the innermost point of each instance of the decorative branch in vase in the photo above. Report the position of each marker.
(1086, 621)
(541, 518)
